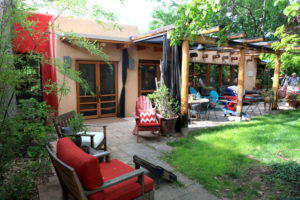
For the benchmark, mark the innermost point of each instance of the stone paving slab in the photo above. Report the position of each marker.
(122, 144)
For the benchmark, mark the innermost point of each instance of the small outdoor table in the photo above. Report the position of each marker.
(196, 101)
(253, 103)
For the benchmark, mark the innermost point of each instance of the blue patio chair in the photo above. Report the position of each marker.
(214, 100)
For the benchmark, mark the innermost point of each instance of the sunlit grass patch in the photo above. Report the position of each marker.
(224, 158)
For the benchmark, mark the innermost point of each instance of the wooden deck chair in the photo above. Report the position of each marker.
(82, 177)
(146, 118)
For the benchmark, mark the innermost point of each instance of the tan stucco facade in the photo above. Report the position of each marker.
(114, 50)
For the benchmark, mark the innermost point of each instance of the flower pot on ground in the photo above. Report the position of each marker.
(168, 126)
(167, 107)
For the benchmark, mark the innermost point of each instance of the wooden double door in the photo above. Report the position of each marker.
(102, 99)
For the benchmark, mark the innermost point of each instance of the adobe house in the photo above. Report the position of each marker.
(144, 53)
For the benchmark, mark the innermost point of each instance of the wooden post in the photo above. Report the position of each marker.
(276, 81)
(193, 75)
(231, 74)
(184, 83)
(207, 75)
(241, 78)
(220, 76)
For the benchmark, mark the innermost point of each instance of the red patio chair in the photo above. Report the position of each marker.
(143, 105)
(83, 177)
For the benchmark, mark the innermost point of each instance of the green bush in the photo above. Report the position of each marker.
(24, 159)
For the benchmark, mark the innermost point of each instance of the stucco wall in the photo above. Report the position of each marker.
(69, 102)
(132, 74)
(91, 27)
(250, 64)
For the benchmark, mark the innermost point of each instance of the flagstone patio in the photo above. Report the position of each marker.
(123, 146)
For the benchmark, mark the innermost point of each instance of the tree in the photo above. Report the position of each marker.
(164, 15)
(23, 158)
(288, 39)
(254, 17)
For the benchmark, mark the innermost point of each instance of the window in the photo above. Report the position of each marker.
(148, 71)
(30, 80)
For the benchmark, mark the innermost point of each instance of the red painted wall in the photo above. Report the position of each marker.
(40, 40)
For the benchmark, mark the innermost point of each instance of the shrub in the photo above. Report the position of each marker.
(24, 159)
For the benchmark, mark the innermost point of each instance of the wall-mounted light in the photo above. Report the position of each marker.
(67, 61)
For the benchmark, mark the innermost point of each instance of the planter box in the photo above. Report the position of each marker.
(168, 126)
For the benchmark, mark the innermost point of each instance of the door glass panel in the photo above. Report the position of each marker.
(107, 98)
(88, 99)
(107, 79)
(89, 113)
(148, 74)
(107, 105)
(108, 111)
(88, 74)
(146, 93)
(88, 106)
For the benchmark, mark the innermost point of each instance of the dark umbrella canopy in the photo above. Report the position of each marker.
(125, 63)
(171, 68)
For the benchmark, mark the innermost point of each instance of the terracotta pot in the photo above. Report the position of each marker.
(168, 126)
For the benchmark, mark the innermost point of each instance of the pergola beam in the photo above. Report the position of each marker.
(162, 30)
(236, 35)
(214, 29)
(233, 43)
(250, 40)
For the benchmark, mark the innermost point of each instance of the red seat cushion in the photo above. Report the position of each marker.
(148, 116)
(149, 124)
(85, 165)
(126, 190)
(230, 98)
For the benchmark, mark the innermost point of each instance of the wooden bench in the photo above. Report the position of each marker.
(96, 140)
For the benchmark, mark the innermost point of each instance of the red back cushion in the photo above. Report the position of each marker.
(85, 165)
(148, 116)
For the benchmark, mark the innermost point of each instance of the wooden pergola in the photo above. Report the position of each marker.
(236, 43)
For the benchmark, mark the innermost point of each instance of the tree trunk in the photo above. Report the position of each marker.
(7, 94)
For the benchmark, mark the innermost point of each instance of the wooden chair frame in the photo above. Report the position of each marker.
(64, 121)
(144, 103)
(73, 189)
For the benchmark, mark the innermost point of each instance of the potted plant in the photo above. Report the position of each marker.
(77, 125)
(167, 107)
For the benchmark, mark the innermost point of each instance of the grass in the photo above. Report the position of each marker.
(237, 160)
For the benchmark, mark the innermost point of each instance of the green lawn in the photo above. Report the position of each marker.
(239, 161)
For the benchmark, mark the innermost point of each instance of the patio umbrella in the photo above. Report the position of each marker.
(171, 71)
(171, 68)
